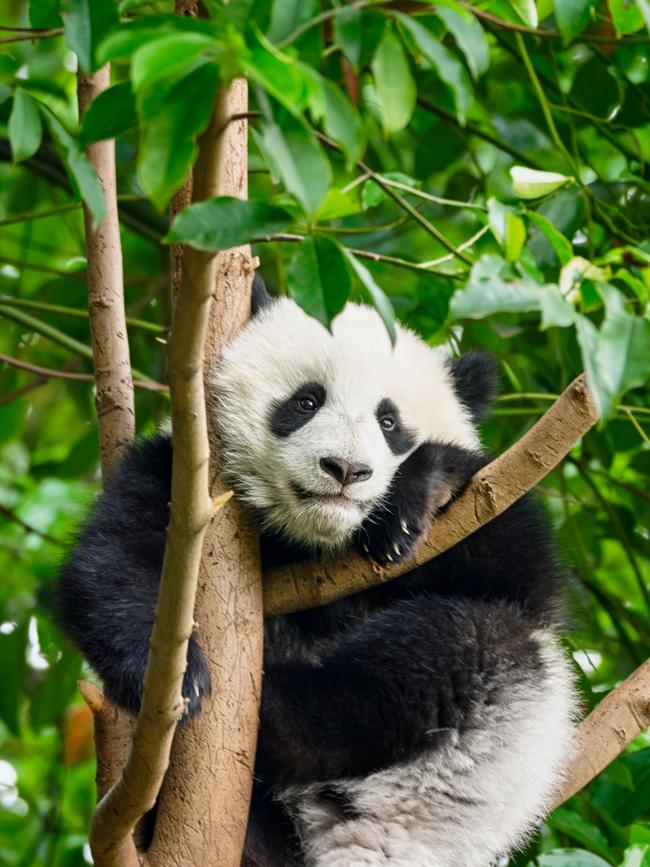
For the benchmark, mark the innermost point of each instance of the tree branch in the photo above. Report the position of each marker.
(204, 803)
(49, 373)
(609, 728)
(111, 362)
(190, 511)
(492, 490)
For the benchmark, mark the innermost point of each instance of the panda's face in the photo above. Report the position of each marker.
(314, 424)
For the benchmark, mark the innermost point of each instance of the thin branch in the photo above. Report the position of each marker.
(424, 267)
(28, 528)
(74, 312)
(472, 129)
(49, 373)
(55, 335)
(491, 491)
(547, 33)
(609, 728)
(114, 398)
(34, 34)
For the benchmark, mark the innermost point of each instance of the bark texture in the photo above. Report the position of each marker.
(491, 491)
(191, 508)
(609, 728)
(108, 334)
(205, 798)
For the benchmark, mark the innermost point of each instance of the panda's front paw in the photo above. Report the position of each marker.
(388, 536)
(196, 681)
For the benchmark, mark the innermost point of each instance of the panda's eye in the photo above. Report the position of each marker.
(387, 422)
(308, 403)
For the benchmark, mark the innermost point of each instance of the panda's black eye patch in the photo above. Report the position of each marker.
(291, 414)
(399, 439)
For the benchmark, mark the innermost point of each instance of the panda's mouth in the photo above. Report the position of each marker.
(336, 499)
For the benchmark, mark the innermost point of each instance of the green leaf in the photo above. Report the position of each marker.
(279, 75)
(126, 39)
(168, 57)
(449, 68)
(469, 35)
(583, 832)
(25, 127)
(55, 690)
(570, 858)
(79, 167)
(626, 15)
(572, 17)
(348, 33)
(295, 157)
(531, 183)
(561, 246)
(377, 296)
(343, 124)
(318, 278)
(492, 288)
(44, 13)
(394, 84)
(508, 228)
(287, 15)
(616, 356)
(86, 23)
(526, 10)
(109, 114)
(13, 649)
(556, 310)
(224, 222)
(168, 147)
(637, 856)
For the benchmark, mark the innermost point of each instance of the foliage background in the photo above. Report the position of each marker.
(441, 101)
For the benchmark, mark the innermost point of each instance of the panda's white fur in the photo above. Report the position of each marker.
(281, 349)
(469, 804)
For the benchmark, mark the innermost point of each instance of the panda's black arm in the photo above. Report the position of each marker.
(415, 673)
(106, 594)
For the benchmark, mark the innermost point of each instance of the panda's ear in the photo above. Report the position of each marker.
(260, 298)
(476, 381)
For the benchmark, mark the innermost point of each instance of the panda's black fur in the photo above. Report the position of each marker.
(395, 677)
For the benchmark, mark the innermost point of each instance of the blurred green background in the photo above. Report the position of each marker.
(553, 276)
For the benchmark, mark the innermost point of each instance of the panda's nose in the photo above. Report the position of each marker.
(344, 472)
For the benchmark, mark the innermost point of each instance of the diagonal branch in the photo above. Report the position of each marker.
(492, 490)
(609, 728)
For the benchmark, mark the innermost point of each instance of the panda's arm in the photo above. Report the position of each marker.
(106, 594)
(415, 675)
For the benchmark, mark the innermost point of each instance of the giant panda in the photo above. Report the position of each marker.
(421, 723)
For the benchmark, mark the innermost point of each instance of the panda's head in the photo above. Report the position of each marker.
(314, 424)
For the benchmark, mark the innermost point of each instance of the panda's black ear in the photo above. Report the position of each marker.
(260, 298)
(476, 380)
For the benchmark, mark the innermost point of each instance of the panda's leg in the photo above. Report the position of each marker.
(442, 728)
(106, 595)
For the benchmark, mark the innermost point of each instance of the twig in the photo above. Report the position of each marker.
(114, 398)
(74, 312)
(34, 34)
(49, 373)
(491, 491)
(28, 528)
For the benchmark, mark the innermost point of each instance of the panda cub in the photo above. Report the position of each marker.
(422, 723)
